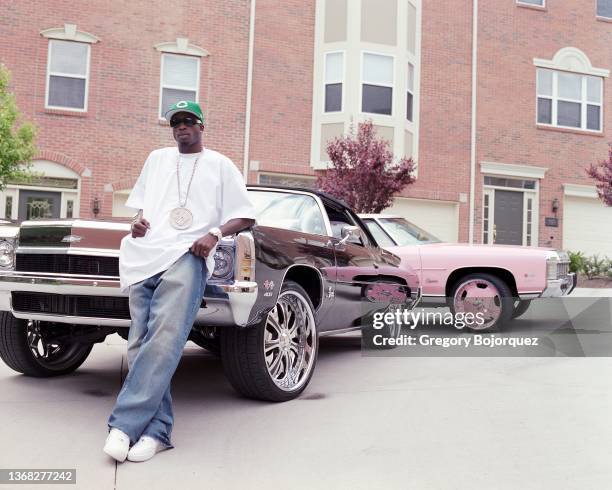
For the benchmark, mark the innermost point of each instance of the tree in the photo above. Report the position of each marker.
(363, 174)
(16, 143)
(602, 173)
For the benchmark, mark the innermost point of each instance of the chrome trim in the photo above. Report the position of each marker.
(103, 252)
(559, 287)
(77, 320)
(77, 223)
(233, 310)
(52, 275)
(245, 248)
(528, 296)
(329, 333)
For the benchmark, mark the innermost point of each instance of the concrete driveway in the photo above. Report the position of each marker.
(363, 422)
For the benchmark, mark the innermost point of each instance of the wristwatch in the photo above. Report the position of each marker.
(216, 232)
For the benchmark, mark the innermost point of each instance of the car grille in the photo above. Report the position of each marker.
(71, 305)
(562, 269)
(86, 265)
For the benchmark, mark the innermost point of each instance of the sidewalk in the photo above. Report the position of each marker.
(591, 293)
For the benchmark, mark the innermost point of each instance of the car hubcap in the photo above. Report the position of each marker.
(479, 296)
(290, 341)
(50, 354)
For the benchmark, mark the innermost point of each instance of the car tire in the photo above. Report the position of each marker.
(388, 331)
(24, 349)
(520, 307)
(496, 304)
(275, 359)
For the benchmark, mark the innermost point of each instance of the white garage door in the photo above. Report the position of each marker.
(587, 226)
(437, 217)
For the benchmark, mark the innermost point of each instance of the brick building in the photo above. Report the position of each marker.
(502, 103)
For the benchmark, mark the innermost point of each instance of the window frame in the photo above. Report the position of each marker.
(584, 102)
(68, 75)
(342, 82)
(603, 17)
(408, 91)
(362, 82)
(533, 5)
(174, 87)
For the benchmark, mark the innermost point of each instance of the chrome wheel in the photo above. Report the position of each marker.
(52, 355)
(479, 295)
(290, 341)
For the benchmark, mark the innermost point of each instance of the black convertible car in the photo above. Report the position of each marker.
(309, 267)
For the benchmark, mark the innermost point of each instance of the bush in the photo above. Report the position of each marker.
(576, 262)
(594, 266)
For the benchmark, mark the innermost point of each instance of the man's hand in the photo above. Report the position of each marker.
(140, 227)
(203, 246)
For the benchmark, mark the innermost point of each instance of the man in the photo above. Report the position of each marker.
(188, 197)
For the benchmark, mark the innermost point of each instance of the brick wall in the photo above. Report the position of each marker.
(121, 125)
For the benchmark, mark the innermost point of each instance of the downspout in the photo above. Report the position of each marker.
(473, 135)
(247, 119)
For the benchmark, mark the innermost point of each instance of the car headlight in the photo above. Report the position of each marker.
(551, 268)
(7, 254)
(224, 263)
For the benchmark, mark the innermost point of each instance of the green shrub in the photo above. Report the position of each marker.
(594, 266)
(576, 262)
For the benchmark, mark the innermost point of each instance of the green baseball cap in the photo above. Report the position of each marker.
(184, 106)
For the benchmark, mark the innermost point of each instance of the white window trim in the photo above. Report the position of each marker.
(512, 170)
(527, 4)
(571, 59)
(584, 102)
(342, 81)
(67, 75)
(535, 210)
(408, 91)
(69, 33)
(175, 87)
(181, 46)
(363, 82)
(578, 190)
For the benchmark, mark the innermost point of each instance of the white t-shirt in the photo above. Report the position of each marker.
(217, 195)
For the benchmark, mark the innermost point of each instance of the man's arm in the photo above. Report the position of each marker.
(203, 246)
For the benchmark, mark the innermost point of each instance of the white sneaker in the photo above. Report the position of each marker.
(117, 444)
(144, 449)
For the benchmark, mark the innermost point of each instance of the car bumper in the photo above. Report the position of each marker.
(560, 287)
(231, 303)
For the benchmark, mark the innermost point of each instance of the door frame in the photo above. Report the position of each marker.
(533, 194)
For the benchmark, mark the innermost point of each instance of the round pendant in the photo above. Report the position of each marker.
(181, 218)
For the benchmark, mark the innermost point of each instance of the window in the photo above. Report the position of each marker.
(377, 84)
(67, 75)
(569, 100)
(8, 207)
(180, 79)
(334, 71)
(604, 8)
(410, 92)
(538, 3)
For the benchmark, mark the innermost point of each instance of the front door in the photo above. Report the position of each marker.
(39, 204)
(508, 217)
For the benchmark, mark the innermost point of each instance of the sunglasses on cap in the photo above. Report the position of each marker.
(188, 121)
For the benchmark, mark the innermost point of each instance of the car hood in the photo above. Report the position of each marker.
(472, 249)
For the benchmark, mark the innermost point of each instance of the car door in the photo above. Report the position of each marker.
(358, 282)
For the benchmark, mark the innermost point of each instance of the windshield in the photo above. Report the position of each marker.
(405, 233)
(299, 212)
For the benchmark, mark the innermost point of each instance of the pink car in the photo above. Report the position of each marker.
(496, 281)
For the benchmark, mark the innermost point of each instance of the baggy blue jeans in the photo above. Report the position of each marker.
(163, 308)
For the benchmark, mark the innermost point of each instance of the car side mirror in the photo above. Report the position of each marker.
(348, 232)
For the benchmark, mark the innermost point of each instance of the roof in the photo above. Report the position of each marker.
(321, 194)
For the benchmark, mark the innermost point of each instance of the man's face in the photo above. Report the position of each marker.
(183, 133)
